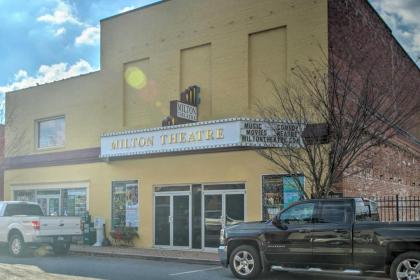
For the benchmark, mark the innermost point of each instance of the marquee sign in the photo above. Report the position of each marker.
(185, 110)
(209, 135)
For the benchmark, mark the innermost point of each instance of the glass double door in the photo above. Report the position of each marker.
(221, 209)
(172, 219)
(50, 204)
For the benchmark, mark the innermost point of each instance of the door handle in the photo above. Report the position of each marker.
(304, 231)
(340, 231)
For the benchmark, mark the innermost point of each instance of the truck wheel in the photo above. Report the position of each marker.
(61, 249)
(17, 246)
(245, 262)
(406, 267)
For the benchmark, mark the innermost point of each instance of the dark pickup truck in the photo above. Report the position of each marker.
(332, 235)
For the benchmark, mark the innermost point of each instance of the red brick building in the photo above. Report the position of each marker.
(358, 33)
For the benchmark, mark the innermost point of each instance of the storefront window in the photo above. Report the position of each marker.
(125, 204)
(57, 202)
(48, 192)
(74, 202)
(25, 196)
(278, 192)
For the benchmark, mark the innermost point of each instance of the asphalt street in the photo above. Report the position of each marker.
(89, 267)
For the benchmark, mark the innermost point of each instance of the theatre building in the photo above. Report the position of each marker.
(162, 138)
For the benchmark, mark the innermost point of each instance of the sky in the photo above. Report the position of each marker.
(47, 40)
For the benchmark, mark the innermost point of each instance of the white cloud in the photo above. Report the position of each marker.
(126, 9)
(403, 18)
(63, 13)
(47, 74)
(59, 31)
(89, 36)
(407, 10)
(20, 75)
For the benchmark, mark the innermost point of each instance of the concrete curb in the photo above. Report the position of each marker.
(145, 257)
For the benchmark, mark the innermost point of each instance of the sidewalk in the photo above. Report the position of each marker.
(196, 257)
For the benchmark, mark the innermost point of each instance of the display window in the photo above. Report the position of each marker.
(125, 204)
(56, 202)
(74, 202)
(278, 192)
(26, 195)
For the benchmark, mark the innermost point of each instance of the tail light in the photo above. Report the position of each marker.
(36, 225)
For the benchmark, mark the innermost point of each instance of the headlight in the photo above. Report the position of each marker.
(222, 236)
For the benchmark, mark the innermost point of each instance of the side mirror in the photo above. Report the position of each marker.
(277, 222)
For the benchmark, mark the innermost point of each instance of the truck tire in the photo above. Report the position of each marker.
(17, 247)
(245, 262)
(61, 249)
(406, 266)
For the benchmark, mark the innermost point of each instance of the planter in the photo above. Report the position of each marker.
(124, 236)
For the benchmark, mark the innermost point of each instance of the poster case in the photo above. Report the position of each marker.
(125, 204)
(272, 192)
(278, 192)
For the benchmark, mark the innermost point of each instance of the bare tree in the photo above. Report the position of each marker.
(14, 139)
(345, 112)
(17, 138)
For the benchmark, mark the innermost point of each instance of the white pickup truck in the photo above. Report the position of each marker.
(24, 226)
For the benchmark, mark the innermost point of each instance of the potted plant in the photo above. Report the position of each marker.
(124, 235)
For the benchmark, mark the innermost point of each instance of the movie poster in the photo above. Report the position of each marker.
(132, 206)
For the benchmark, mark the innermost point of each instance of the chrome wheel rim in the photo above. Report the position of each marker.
(243, 262)
(16, 246)
(409, 269)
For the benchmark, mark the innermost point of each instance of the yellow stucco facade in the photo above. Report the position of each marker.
(227, 47)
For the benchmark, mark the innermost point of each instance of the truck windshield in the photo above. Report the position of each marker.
(366, 211)
(23, 209)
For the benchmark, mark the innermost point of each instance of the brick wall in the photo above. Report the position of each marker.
(358, 35)
(392, 170)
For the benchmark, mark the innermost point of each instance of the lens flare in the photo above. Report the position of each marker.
(135, 77)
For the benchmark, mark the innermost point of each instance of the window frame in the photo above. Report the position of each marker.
(55, 187)
(125, 182)
(20, 206)
(314, 211)
(349, 213)
(38, 133)
(265, 215)
(369, 215)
